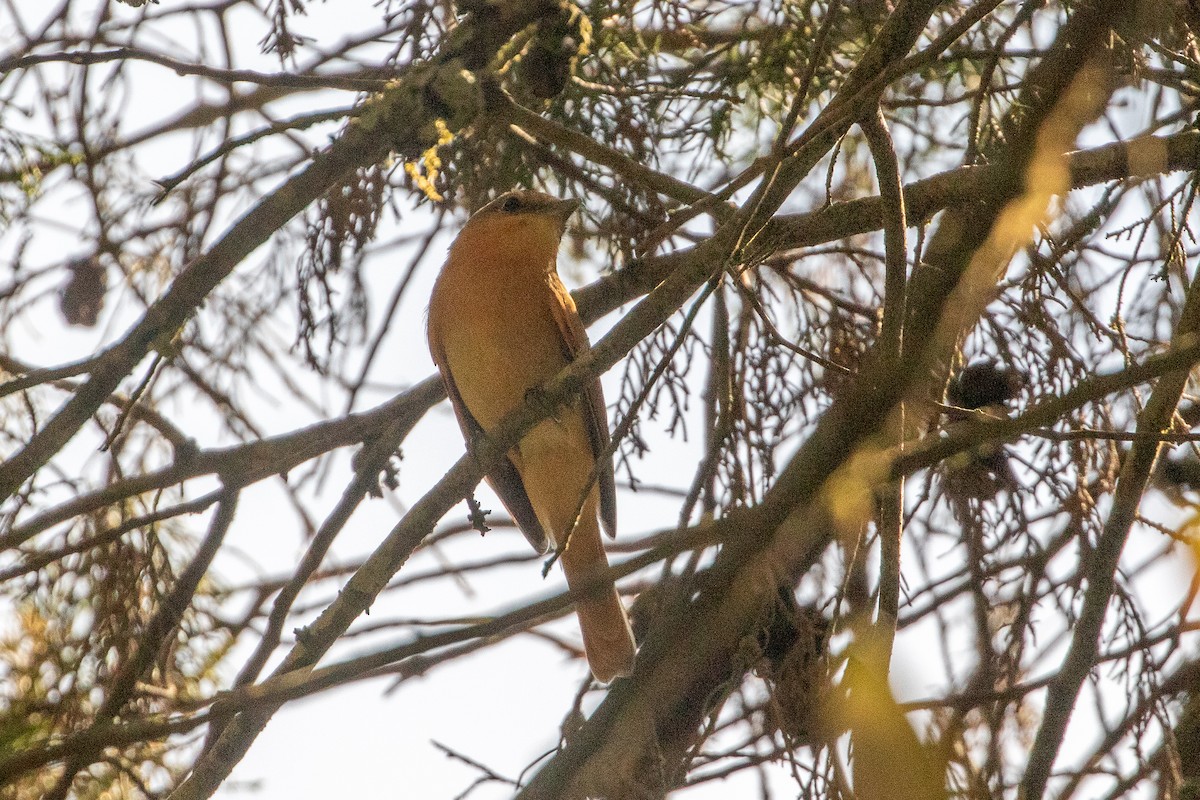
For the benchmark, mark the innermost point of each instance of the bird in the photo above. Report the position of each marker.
(501, 323)
(983, 386)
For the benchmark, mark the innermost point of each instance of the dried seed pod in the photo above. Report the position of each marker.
(82, 296)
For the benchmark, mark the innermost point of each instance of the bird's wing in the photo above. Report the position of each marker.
(503, 478)
(595, 413)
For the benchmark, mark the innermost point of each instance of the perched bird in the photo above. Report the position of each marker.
(988, 387)
(501, 323)
(984, 385)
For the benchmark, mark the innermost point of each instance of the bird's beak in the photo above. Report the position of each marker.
(563, 209)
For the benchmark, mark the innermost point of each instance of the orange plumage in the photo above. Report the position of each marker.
(501, 323)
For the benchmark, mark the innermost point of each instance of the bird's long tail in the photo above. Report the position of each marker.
(607, 638)
(554, 460)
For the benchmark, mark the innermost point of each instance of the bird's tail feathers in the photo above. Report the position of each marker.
(607, 637)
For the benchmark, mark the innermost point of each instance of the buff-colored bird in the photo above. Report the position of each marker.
(500, 324)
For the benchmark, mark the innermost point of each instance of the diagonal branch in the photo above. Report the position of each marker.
(646, 723)
(351, 82)
(400, 119)
(1183, 354)
(246, 463)
(1146, 155)
(1101, 572)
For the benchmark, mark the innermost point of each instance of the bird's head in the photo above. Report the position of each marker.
(518, 222)
(522, 203)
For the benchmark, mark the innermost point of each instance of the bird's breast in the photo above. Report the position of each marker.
(498, 335)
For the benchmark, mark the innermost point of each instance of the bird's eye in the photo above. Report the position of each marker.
(511, 205)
